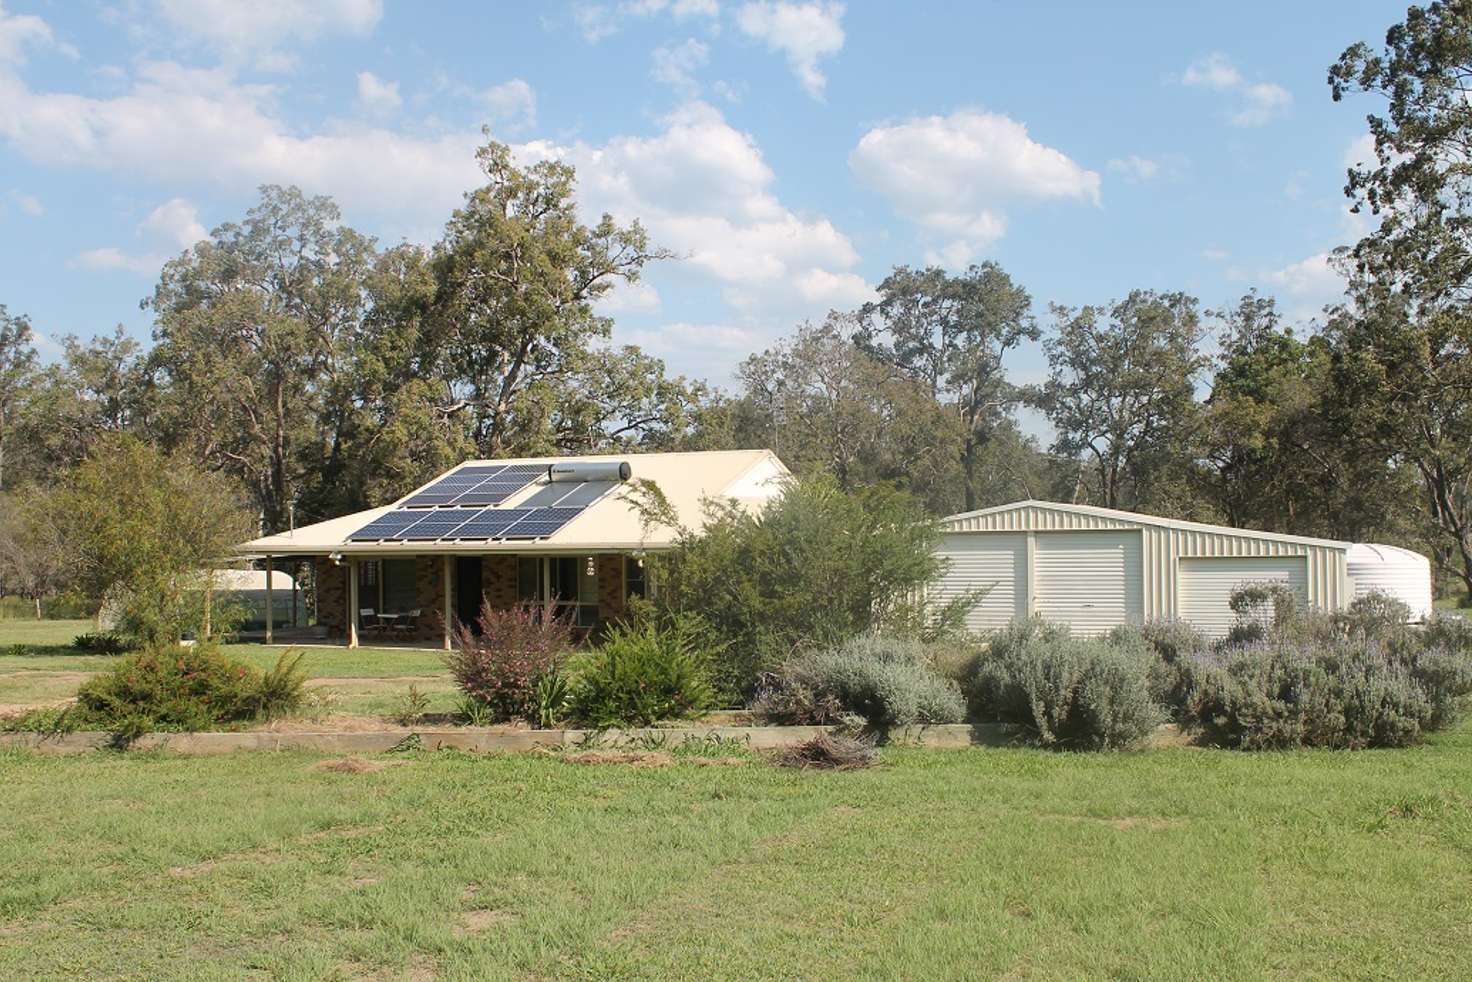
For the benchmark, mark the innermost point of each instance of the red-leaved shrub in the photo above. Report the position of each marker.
(515, 649)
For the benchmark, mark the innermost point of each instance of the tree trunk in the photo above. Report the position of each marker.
(37, 600)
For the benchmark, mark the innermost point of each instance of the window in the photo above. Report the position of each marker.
(400, 589)
(570, 580)
(368, 576)
(634, 583)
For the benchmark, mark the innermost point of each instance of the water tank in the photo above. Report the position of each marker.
(1402, 574)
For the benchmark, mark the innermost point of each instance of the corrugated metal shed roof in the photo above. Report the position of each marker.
(611, 523)
(1022, 515)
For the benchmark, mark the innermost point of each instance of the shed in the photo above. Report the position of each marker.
(1096, 568)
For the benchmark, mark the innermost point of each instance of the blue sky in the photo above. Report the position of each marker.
(792, 153)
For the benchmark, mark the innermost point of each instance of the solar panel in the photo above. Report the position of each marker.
(499, 481)
(491, 492)
(386, 526)
(491, 523)
(541, 522)
(438, 524)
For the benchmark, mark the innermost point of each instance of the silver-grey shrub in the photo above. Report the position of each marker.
(867, 681)
(1347, 694)
(1068, 693)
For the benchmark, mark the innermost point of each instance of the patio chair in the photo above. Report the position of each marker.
(409, 623)
(368, 621)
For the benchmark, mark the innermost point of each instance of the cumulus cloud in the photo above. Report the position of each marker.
(513, 102)
(191, 126)
(1135, 168)
(28, 203)
(1308, 285)
(21, 31)
(1361, 151)
(596, 21)
(234, 27)
(1214, 71)
(1258, 102)
(167, 230)
(675, 65)
(953, 175)
(377, 95)
(1265, 102)
(803, 32)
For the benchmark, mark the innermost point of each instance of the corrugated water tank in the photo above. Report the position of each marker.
(1401, 573)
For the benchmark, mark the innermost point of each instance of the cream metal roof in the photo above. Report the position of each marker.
(1033, 514)
(610, 524)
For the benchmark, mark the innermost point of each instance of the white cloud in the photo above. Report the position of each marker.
(1307, 286)
(804, 32)
(193, 126)
(703, 190)
(596, 21)
(376, 95)
(1261, 102)
(259, 25)
(675, 65)
(175, 222)
(513, 102)
(629, 298)
(113, 258)
(20, 31)
(1265, 103)
(682, 336)
(169, 229)
(1215, 71)
(1215, 255)
(953, 175)
(1361, 151)
(1135, 168)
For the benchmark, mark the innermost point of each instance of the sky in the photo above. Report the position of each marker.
(789, 154)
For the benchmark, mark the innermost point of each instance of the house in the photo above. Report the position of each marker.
(246, 589)
(566, 528)
(1095, 568)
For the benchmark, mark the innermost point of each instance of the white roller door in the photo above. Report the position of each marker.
(1206, 586)
(1092, 581)
(984, 559)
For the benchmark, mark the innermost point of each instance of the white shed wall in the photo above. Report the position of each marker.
(1164, 544)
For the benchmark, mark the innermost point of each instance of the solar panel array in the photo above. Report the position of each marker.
(480, 484)
(452, 508)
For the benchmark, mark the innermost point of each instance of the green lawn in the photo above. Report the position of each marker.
(938, 864)
(39, 665)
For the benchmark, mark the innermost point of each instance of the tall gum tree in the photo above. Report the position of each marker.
(1404, 342)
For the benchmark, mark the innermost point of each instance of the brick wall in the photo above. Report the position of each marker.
(332, 596)
(429, 583)
(610, 587)
(498, 581)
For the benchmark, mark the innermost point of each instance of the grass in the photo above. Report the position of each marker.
(938, 864)
(38, 665)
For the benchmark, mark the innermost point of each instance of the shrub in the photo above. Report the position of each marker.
(1447, 631)
(643, 673)
(1068, 692)
(1172, 643)
(102, 644)
(818, 565)
(502, 665)
(873, 681)
(1284, 694)
(179, 687)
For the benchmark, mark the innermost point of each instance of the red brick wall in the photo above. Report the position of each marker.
(332, 596)
(429, 580)
(610, 587)
(498, 581)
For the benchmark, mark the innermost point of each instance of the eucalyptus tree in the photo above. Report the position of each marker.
(952, 333)
(1404, 343)
(517, 276)
(17, 372)
(255, 328)
(1121, 397)
(831, 405)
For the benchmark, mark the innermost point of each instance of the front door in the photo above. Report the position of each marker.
(468, 589)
